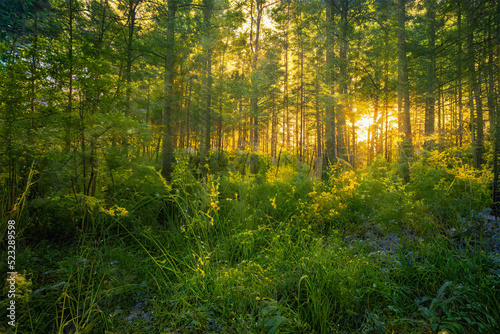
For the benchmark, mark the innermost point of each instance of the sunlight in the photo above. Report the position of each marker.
(363, 125)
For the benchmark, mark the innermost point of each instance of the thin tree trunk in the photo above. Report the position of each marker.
(476, 112)
(330, 126)
(374, 131)
(318, 118)
(132, 7)
(459, 74)
(255, 48)
(286, 116)
(404, 124)
(168, 100)
(496, 167)
(274, 126)
(344, 80)
(491, 81)
(207, 78)
(431, 69)
(403, 87)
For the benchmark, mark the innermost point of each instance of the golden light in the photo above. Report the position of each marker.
(364, 124)
(364, 127)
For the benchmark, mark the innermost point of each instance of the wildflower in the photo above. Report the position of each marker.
(121, 211)
(273, 201)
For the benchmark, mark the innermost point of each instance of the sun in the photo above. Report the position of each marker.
(364, 126)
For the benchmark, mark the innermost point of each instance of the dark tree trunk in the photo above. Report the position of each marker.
(132, 11)
(430, 100)
(255, 48)
(207, 79)
(168, 90)
(330, 153)
(404, 124)
(344, 81)
(459, 75)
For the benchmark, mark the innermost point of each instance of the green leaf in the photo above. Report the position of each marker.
(274, 323)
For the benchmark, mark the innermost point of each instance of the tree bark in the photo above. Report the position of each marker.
(475, 103)
(132, 10)
(255, 48)
(431, 69)
(459, 74)
(343, 82)
(404, 124)
(168, 91)
(330, 153)
(207, 78)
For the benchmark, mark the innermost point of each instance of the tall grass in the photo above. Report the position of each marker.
(275, 252)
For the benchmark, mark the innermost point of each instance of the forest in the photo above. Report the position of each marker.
(250, 166)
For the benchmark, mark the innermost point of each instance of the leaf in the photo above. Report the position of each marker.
(268, 310)
(495, 271)
(440, 295)
(274, 323)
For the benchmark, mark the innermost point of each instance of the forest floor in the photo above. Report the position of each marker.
(276, 251)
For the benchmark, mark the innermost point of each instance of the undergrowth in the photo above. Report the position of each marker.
(265, 252)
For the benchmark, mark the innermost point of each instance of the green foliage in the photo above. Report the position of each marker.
(274, 252)
(449, 187)
(54, 219)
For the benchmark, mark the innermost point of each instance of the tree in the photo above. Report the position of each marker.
(430, 100)
(475, 101)
(255, 49)
(207, 76)
(404, 124)
(330, 119)
(168, 90)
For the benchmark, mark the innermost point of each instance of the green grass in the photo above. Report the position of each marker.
(263, 253)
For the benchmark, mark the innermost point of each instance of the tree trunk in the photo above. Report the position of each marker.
(207, 78)
(491, 81)
(459, 75)
(168, 91)
(374, 147)
(132, 7)
(476, 111)
(403, 87)
(496, 167)
(430, 100)
(274, 126)
(255, 47)
(344, 81)
(319, 124)
(330, 126)
(403, 97)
